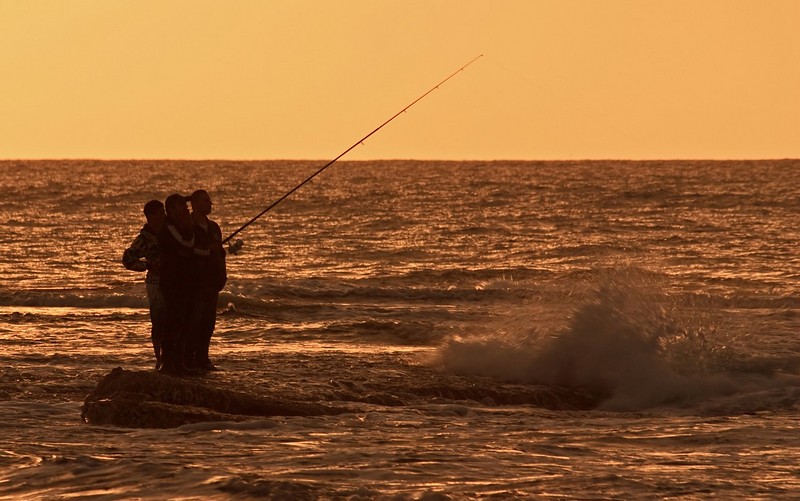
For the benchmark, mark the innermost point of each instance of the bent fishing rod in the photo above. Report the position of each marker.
(360, 141)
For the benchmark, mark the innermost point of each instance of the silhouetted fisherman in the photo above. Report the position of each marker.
(179, 282)
(144, 255)
(212, 275)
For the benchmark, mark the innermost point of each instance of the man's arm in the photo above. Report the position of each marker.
(133, 257)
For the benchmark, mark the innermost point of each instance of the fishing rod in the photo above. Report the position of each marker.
(239, 243)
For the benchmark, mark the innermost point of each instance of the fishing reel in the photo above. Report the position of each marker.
(235, 247)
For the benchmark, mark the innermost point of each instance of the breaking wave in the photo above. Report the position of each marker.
(636, 348)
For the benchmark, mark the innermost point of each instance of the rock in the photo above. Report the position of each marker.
(139, 399)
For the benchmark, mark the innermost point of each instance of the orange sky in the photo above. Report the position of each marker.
(258, 79)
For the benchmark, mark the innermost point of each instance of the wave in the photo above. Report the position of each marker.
(441, 284)
(256, 296)
(256, 292)
(635, 348)
(73, 299)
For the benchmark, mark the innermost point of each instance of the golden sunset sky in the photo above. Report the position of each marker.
(299, 79)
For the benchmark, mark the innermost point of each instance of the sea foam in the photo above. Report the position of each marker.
(628, 341)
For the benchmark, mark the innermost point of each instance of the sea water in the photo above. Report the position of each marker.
(500, 330)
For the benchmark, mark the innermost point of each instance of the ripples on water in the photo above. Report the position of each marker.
(578, 329)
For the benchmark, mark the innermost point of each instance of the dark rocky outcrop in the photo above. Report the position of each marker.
(140, 399)
(147, 399)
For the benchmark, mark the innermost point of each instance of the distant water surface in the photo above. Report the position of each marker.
(498, 329)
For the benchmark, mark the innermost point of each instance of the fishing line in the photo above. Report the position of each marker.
(238, 244)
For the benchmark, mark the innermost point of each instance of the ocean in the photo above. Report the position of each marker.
(413, 330)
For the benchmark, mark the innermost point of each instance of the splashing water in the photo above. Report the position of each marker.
(629, 342)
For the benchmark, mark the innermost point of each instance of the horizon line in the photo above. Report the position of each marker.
(212, 159)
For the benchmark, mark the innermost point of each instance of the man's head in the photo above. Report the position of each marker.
(201, 203)
(154, 212)
(177, 210)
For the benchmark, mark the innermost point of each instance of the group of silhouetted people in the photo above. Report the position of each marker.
(184, 258)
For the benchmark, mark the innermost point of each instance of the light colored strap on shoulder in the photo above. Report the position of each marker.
(179, 237)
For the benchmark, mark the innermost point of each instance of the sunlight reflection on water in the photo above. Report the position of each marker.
(418, 295)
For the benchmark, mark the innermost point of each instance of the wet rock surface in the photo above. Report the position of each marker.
(153, 400)
(148, 399)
